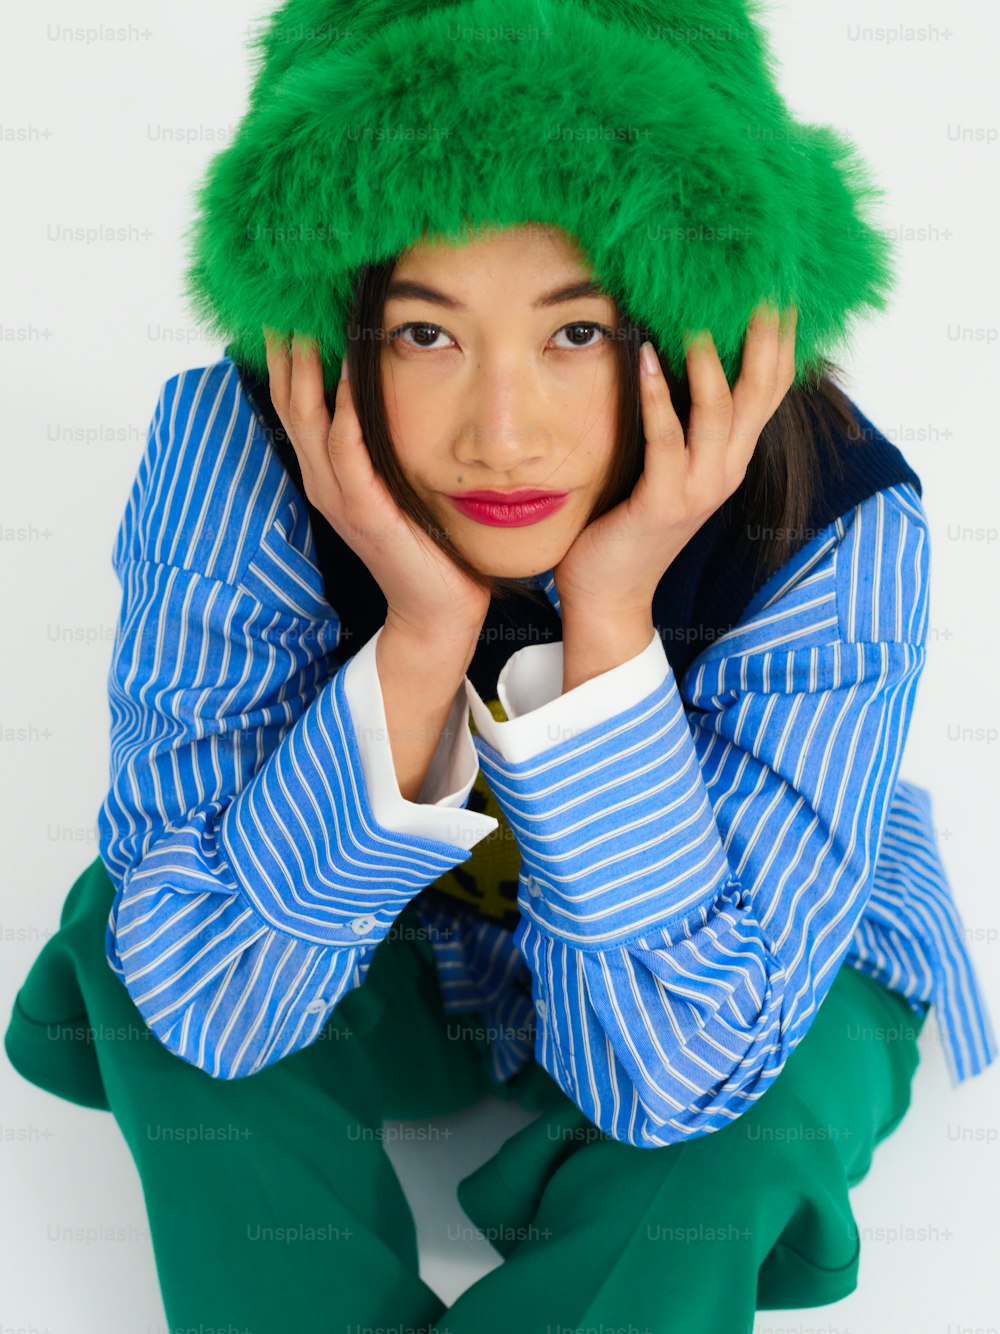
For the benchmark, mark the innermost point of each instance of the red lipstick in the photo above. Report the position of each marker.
(508, 509)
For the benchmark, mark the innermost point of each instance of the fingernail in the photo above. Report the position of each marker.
(343, 368)
(650, 362)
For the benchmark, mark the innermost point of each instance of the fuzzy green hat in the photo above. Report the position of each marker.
(652, 132)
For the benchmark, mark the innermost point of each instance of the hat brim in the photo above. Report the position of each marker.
(676, 166)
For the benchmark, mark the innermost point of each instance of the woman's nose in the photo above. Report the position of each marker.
(504, 424)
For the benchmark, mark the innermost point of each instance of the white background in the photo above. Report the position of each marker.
(90, 332)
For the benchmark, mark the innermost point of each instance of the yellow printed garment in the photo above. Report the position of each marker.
(486, 884)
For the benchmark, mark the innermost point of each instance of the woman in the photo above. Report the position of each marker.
(693, 909)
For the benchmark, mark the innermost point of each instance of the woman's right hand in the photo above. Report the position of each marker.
(427, 594)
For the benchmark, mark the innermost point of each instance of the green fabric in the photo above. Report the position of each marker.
(690, 1237)
(653, 133)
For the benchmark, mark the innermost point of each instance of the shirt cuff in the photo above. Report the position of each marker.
(439, 810)
(528, 689)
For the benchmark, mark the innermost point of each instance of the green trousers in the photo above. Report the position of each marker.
(274, 1208)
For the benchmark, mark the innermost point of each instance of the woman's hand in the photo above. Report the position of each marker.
(427, 594)
(616, 562)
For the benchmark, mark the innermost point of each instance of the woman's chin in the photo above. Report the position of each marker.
(525, 565)
(524, 572)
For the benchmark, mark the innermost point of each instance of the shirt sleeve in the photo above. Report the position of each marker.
(693, 869)
(438, 811)
(253, 878)
(528, 689)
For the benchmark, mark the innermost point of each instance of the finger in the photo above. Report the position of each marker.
(308, 416)
(345, 445)
(279, 369)
(279, 374)
(307, 406)
(786, 354)
(755, 390)
(710, 418)
(661, 426)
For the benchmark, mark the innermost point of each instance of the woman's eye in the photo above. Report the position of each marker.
(425, 330)
(425, 335)
(586, 328)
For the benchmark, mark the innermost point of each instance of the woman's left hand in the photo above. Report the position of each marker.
(616, 562)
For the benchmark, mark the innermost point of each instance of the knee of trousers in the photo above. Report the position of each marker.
(774, 1177)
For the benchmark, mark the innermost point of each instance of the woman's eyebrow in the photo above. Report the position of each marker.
(404, 287)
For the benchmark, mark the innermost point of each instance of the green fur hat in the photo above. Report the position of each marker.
(653, 132)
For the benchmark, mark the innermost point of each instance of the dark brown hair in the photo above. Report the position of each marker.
(775, 496)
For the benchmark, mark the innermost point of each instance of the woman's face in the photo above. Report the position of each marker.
(496, 385)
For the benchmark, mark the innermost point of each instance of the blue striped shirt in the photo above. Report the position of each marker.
(694, 869)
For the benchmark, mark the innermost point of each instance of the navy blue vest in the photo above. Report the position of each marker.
(701, 596)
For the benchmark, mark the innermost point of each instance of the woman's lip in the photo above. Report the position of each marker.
(509, 515)
(505, 497)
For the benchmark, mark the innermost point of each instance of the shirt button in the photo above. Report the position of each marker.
(314, 1007)
(362, 925)
(542, 1008)
(533, 889)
